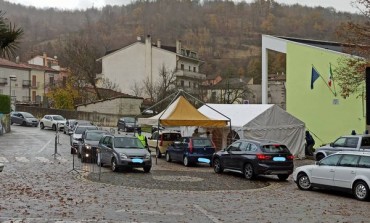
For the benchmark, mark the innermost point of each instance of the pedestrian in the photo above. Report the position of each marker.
(142, 139)
(209, 135)
(353, 132)
(310, 142)
(196, 133)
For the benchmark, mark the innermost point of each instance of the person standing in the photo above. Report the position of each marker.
(142, 139)
(310, 142)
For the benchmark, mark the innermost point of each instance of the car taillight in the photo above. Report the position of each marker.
(161, 142)
(190, 146)
(263, 157)
(290, 157)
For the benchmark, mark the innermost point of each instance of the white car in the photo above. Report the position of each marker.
(345, 171)
(52, 121)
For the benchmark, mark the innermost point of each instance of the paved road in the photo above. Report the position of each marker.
(35, 187)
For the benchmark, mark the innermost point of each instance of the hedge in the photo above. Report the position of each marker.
(4, 104)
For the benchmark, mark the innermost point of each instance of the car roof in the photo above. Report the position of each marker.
(262, 141)
(123, 136)
(167, 131)
(98, 130)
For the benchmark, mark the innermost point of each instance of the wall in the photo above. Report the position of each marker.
(17, 86)
(317, 108)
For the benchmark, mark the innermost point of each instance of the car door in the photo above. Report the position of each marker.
(227, 158)
(103, 149)
(346, 171)
(323, 174)
(180, 149)
(48, 120)
(16, 118)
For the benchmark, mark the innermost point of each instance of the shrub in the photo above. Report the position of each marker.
(4, 104)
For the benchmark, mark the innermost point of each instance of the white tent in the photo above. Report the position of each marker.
(262, 121)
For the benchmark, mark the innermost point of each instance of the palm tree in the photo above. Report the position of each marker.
(9, 36)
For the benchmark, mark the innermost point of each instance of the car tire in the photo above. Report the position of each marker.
(319, 157)
(147, 169)
(54, 127)
(361, 190)
(303, 182)
(73, 151)
(158, 153)
(283, 177)
(24, 123)
(114, 166)
(42, 125)
(186, 161)
(168, 157)
(217, 167)
(248, 171)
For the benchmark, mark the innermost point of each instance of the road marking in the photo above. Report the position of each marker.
(22, 159)
(211, 217)
(4, 160)
(44, 146)
(151, 212)
(43, 160)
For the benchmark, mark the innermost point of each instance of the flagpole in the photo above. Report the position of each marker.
(335, 94)
(332, 78)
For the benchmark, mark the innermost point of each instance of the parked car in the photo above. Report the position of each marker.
(52, 121)
(344, 143)
(75, 138)
(72, 123)
(1, 167)
(191, 150)
(89, 144)
(127, 124)
(160, 140)
(23, 118)
(346, 171)
(123, 151)
(252, 158)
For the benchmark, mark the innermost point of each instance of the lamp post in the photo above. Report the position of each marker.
(11, 78)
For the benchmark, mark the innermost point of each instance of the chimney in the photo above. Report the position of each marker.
(159, 43)
(17, 59)
(178, 46)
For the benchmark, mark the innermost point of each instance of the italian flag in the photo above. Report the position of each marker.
(330, 76)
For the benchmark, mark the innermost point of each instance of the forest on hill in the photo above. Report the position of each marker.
(227, 35)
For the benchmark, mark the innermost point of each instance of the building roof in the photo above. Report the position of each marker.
(335, 46)
(44, 68)
(232, 82)
(10, 64)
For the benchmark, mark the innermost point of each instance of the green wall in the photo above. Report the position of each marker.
(315, 107)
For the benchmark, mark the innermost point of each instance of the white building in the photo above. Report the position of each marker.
(139, 61)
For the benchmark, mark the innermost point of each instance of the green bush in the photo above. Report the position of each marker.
(4, 104)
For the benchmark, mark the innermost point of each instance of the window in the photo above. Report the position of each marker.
(106, 140)
(189, 83)
(330, 160)
(189, 68)
(194, 69)
(352, 142)
(340, 142)
(349, 160)
(275, 148)
(182, 67)
(244, 146)
(234, 147)
(364, 162)
(182, 83)
(202, 143)
(51, 81)
(365, 143)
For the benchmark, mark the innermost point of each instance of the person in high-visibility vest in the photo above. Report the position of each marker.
(143, 139)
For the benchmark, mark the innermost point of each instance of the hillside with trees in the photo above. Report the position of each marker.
(226, 34)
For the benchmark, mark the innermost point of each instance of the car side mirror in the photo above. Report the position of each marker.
(331, 144)
(317, 163)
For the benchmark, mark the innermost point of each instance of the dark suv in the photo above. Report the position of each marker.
(127, 124)
(89, 144)
(252, 158)
(191, 150)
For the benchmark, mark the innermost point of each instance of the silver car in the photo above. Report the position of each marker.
(123, 151)
(23, 118)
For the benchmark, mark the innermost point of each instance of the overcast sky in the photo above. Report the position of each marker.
(339, 5)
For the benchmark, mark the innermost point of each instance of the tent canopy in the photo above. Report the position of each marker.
(182, 113)
(262, 121)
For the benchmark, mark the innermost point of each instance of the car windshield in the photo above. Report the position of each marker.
(171, 136)
(129, 119)
(202, 143)
(94, 136)
(81, 129)
(27, 115)
(58, 117)
(276, 148)
(128, 143)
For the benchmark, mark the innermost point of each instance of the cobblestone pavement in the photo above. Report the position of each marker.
(35, 187)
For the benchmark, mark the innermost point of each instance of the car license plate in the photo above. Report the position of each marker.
(204, 160)
(278, 159)
(137, 160)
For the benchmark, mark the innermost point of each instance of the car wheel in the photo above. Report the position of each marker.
(217, 166)
(42, 125)
(114, 166)
(303, 182)
(186, 161)
(98, 161)
(24, 123)
(158, 153)
(147, 169)
(73, 151)
(54, 127)
(168, 157)
(319, 156)
(361, 191)
(283, 177)
(248, 171)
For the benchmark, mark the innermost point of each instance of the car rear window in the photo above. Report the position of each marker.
(276, 148)
(81, 129)
(202, 143)
(94, 136)
(171, 136)
(128, 143)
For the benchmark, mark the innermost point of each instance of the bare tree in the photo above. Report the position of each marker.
(136, 89)
(108, 84)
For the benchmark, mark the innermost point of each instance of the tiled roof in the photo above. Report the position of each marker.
(8, 63)
(44, 68)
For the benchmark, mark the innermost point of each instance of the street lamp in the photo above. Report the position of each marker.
(11, 78)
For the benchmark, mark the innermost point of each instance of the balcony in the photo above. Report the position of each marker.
(4, 80)
(26, 83)
(190, 75)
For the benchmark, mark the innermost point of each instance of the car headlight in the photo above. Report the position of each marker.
(123, 156)
(87, 146)
(147, 156)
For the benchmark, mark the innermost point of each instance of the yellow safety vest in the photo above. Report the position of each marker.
(142, 139)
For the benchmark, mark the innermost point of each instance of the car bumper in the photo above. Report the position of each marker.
(273, 170)
(132, 163)
(199, 158)
(35, 124)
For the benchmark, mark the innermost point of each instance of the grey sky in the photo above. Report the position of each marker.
(339, 5)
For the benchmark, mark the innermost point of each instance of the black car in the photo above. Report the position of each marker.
(127, 124)
(23, 118)
(72, 123)
(252, 158)
(75, 138)
(191, 150)
(89, 144)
